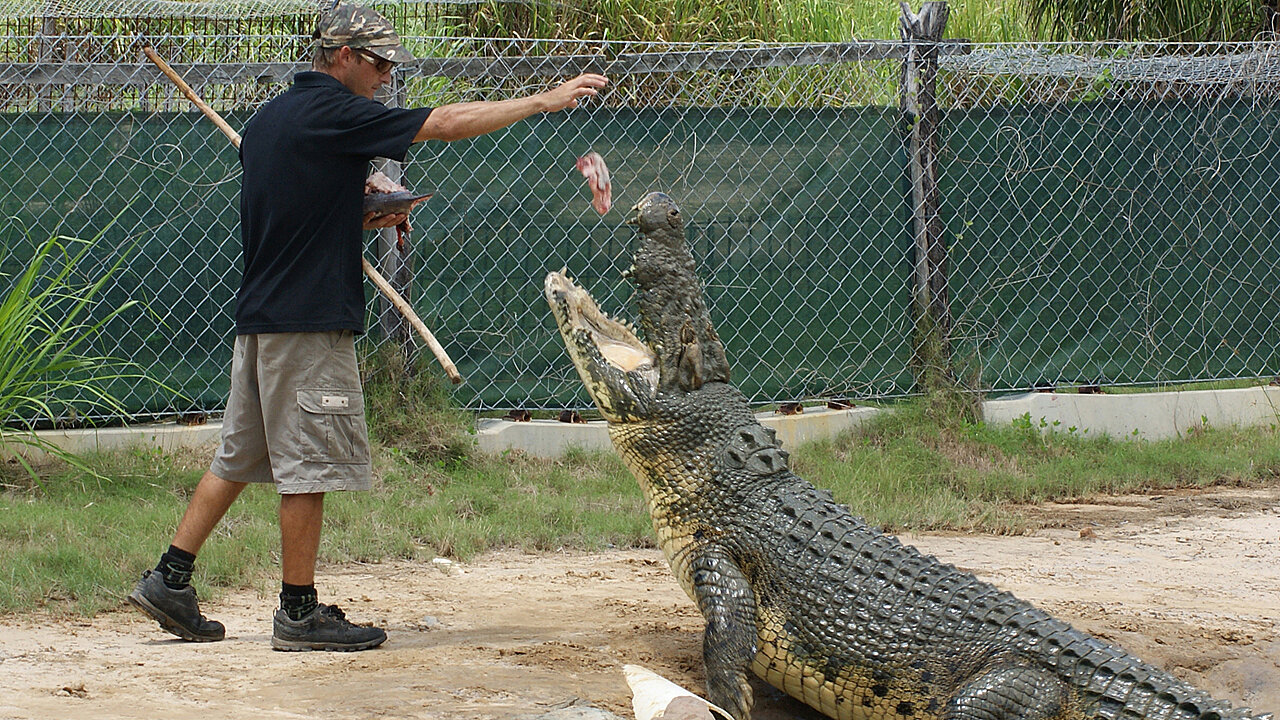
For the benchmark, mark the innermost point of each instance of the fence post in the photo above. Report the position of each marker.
(395, 264)
(931, 310)
(47, 50)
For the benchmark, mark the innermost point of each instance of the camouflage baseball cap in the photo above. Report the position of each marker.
(360, 27)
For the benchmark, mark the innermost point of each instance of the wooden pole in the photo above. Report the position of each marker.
(395, 262)
(47, 52)
(918, 89)
(403, 306)
(400, 303)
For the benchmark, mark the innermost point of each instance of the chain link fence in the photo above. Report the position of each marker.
(1109, 210)
(1114, 224)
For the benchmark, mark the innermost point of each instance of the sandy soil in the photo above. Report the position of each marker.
(1188, 581)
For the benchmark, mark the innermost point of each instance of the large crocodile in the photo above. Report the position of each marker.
(792, 586)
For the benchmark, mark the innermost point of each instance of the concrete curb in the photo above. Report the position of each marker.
(165, 436)
(552, 438)
(1129, 416)
(1146, 416)
(1143, 416)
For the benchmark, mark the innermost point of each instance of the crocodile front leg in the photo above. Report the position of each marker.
(729, 640)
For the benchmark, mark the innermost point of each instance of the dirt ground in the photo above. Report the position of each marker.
(1187, 581)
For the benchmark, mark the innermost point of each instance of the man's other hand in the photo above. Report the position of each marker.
(373, 221)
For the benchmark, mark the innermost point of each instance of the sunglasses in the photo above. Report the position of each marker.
(383, 66)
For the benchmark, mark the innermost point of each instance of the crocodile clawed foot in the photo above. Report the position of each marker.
(733, 694)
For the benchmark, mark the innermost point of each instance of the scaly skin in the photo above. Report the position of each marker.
(792, 586)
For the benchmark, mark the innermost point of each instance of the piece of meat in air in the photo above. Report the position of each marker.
(596, 172)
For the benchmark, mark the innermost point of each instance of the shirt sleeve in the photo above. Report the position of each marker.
(366, 129)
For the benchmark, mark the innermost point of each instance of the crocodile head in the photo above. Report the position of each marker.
(680, 351)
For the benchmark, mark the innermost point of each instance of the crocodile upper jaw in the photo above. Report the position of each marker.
(618, 369)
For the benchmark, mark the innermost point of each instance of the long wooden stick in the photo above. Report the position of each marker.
(403, 306)
(192, 96)
(397, 300)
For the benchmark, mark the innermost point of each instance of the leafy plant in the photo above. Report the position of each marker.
(47, 319)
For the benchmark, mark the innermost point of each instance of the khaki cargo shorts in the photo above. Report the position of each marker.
(295, 415)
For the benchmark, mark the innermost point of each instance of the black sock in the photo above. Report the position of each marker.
(175, 567)
(297, 601)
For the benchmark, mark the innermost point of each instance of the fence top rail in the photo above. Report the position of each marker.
(608, 60)
(1185, 63)
(1196, 64)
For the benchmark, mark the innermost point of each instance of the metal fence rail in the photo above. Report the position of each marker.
(1108, 209)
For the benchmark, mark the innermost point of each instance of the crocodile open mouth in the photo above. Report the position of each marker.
(582, 321)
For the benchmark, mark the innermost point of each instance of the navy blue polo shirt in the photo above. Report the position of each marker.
(305, 157)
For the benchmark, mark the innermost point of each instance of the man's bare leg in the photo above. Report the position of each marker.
(300, 519)
(210, 501)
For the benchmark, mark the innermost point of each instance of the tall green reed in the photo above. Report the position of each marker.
(48, 318)
(1173, 20)
(838, 20)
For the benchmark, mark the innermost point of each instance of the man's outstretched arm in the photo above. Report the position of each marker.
(473, 119)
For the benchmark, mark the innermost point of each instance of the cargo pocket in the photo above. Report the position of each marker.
(331, 426)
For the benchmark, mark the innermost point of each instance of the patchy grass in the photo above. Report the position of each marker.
(77, 542)
(909, 471)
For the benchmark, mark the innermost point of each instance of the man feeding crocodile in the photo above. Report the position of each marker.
(295, 414)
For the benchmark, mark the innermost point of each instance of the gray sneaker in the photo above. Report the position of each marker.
(325, 628)
(177, 611)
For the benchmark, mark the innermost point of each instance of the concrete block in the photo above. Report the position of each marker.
(815, 423)
(552, 438)
(166, 436)
(1142, 415)
(541, 438)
